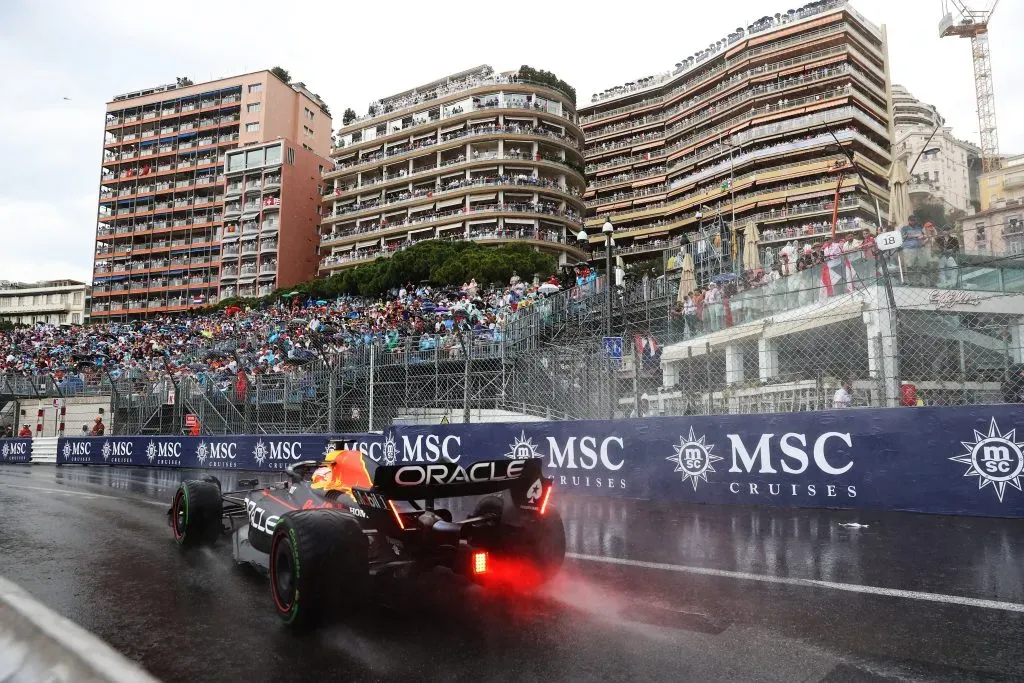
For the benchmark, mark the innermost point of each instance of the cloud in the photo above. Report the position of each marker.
(45, 240)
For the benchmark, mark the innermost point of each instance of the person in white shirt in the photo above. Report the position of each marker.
(843, 398)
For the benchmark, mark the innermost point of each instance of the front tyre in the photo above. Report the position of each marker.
(319, 565)
(196, 513)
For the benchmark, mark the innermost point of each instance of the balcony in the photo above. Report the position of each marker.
(233, 189)
(270, 226)
(271, 182)
(267, 246)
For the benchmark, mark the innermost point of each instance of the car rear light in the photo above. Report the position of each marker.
(480, 562)
(398, 517)
(544, 500)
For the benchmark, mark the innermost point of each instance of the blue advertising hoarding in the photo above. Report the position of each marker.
(242, 452)
(963, 460)
(15, 450)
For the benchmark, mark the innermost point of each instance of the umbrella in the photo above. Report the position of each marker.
(899, 193)
(688, 282)
(751, 259)
(291, 294)
(547, 288)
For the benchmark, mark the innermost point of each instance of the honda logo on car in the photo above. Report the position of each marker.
(444, 474)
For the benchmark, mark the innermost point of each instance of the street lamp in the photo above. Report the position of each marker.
(607, 229)
(582, 238)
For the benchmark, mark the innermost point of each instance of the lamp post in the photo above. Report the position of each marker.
(582, 238)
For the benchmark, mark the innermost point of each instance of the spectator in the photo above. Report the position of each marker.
(24, 432)
(98, 429)
(915, 251)
(843, 397)
(947, 247)
(85, 430)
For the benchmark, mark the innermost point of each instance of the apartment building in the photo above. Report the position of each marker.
(947, 168)
(741, 134)
(55, 302)
(162, 216)
(271, 208)
(996, 231)
(1004, 184)
(477, 155)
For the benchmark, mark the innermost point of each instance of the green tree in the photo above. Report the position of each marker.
(348, 117)
(184, 81)
(282, 74)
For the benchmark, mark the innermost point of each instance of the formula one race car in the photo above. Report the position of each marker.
(330, 531)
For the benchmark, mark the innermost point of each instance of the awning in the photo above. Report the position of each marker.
(422, 207)
(713, 341)
(483, 197)
(804, 319)
(450, 129)
(344, 247)
(453, 226)
(364, 245)
(246, 280)
(490, 119)
(448, 203)
(413, 232)
(524, 221)
(429, 134)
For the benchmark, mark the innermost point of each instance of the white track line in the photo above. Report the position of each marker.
(811, 583)
(83, 494)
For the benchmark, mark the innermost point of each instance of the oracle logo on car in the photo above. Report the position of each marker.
(445, 474)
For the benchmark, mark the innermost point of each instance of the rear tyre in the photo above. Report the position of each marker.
(319, 565)
(545, 543)
(196, 514)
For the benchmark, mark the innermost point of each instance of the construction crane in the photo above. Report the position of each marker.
(973, 24)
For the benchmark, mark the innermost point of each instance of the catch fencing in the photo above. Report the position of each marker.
(832, 335)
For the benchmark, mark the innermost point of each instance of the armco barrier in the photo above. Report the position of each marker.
(252, 452)
(963, 460)
(15, 450)
(37, 644)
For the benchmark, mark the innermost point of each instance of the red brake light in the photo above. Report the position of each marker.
(544, 500)
(479, 562)
(398, 517)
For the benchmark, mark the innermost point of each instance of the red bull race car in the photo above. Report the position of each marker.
(338, 525)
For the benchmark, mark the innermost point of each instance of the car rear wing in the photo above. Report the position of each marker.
(450, 480)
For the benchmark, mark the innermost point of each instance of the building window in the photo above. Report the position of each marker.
(274, 155)
(253, 127)
(979, 232)
(255, 88)
(307, 131)
(308, 112)
(290, 156)
(306, 147)
(76, 298)
(254, 158)
(253, 107)
(236, 162)
(76, 318)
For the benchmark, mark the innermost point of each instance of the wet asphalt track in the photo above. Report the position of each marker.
(93, 544)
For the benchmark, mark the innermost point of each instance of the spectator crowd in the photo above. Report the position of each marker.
(233, 346)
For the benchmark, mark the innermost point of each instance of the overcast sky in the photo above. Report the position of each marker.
(352, 53)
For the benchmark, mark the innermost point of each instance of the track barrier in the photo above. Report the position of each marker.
(36, 644)
(950, 460)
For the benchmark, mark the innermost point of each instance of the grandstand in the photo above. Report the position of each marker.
(786, 344)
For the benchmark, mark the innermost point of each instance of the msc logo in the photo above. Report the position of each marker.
(5, 450)
(259, 453)
(523, 448)
(994, 458)
(693, 458)
(390, 449)
(151, 451)
(220, 454)
(106, 450)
